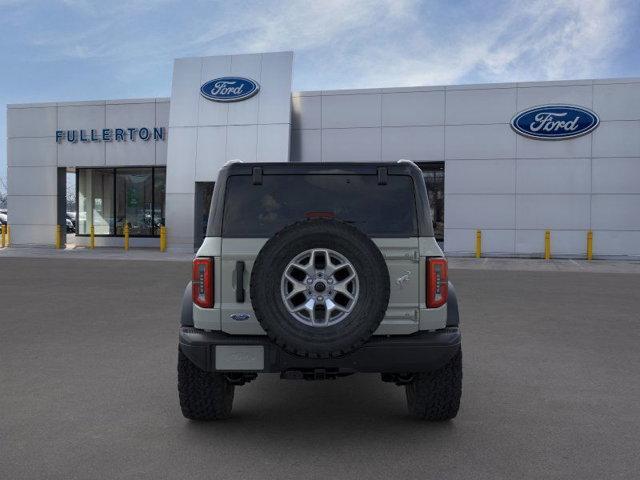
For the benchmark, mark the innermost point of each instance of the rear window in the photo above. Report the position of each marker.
(262, 210)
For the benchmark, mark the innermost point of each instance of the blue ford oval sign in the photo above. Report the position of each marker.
(229, 89)
(555, 122)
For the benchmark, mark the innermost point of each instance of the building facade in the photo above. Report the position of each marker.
(152, 162)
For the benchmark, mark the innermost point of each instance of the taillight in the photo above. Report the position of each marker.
(202, 282)
(437, 282)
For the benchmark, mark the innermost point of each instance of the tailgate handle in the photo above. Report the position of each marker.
(240, 282)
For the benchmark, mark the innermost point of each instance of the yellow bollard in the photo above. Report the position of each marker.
(126, 237)
(58, 237)
(8, 234)
(478, 243)
(589, 245)
(3, 230)
(547, 244)
(92, 237)
(163, 238)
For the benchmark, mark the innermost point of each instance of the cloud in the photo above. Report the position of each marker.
(543, 40)
(554, 40)
(357, 43)
(126, 47)
(371, 43)
(96, 8)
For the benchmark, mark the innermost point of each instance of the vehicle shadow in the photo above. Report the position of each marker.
(299, 413)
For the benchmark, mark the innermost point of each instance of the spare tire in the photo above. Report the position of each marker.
(320, 288)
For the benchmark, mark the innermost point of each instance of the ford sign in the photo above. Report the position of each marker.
(555, 122)
(229, 89)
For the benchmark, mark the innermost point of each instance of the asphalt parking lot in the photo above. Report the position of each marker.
(551, 386)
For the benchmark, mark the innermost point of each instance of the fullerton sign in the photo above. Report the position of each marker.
(111, 135)
(555, 122)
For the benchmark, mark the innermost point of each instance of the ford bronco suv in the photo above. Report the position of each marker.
(318, 271)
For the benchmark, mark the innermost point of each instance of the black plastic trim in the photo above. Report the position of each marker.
(240, 282)
(186, 313)
(419, 352)
(453, 316)
(425, 227)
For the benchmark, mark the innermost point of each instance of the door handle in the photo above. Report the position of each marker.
(240, 282)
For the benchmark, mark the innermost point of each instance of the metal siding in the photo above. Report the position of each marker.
(518, 184)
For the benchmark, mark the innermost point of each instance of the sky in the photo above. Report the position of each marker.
(88, 50)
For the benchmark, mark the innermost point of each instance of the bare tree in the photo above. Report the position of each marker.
(3, 193)
(71, 193)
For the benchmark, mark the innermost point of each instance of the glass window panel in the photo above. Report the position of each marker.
(134, 200)
(159, 190)
(95, 201)
(204, 194)
(262, 210)
(434, 180)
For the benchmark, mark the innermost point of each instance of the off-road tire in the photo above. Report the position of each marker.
(435, 396)
(305, 340)
(203, 395)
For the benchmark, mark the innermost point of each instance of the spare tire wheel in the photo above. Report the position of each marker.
(320, 288)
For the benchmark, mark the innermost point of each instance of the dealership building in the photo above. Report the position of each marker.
(511, 159)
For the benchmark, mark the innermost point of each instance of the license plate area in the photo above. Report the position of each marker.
(231, 358)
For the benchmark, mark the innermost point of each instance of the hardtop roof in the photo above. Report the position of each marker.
(362, 168)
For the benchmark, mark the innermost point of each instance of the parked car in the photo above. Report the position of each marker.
(71, 222)
(317, 271)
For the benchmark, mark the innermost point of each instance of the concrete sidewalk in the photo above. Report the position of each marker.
(458, 263)
(102, 253)
(540, 265)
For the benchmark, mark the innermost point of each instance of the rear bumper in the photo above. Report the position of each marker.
(420, 352)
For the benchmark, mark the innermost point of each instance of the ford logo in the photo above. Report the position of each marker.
(240, 317)
(555, 122)
(229, 89)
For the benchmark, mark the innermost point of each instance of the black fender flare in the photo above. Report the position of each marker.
(186, 313)
(453, 315)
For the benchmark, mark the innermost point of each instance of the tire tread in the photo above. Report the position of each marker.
(203, 395)
(435, 396)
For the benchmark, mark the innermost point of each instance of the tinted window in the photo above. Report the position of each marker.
(159, 193)
(110, 198)
(134, 192)
(262, 210)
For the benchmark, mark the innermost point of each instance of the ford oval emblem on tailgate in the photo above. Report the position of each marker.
(239, 317)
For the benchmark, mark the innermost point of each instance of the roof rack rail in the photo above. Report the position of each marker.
(410, 162)
(232, 161)
(405, 160)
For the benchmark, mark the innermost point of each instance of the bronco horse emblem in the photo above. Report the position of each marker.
(403, 279)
